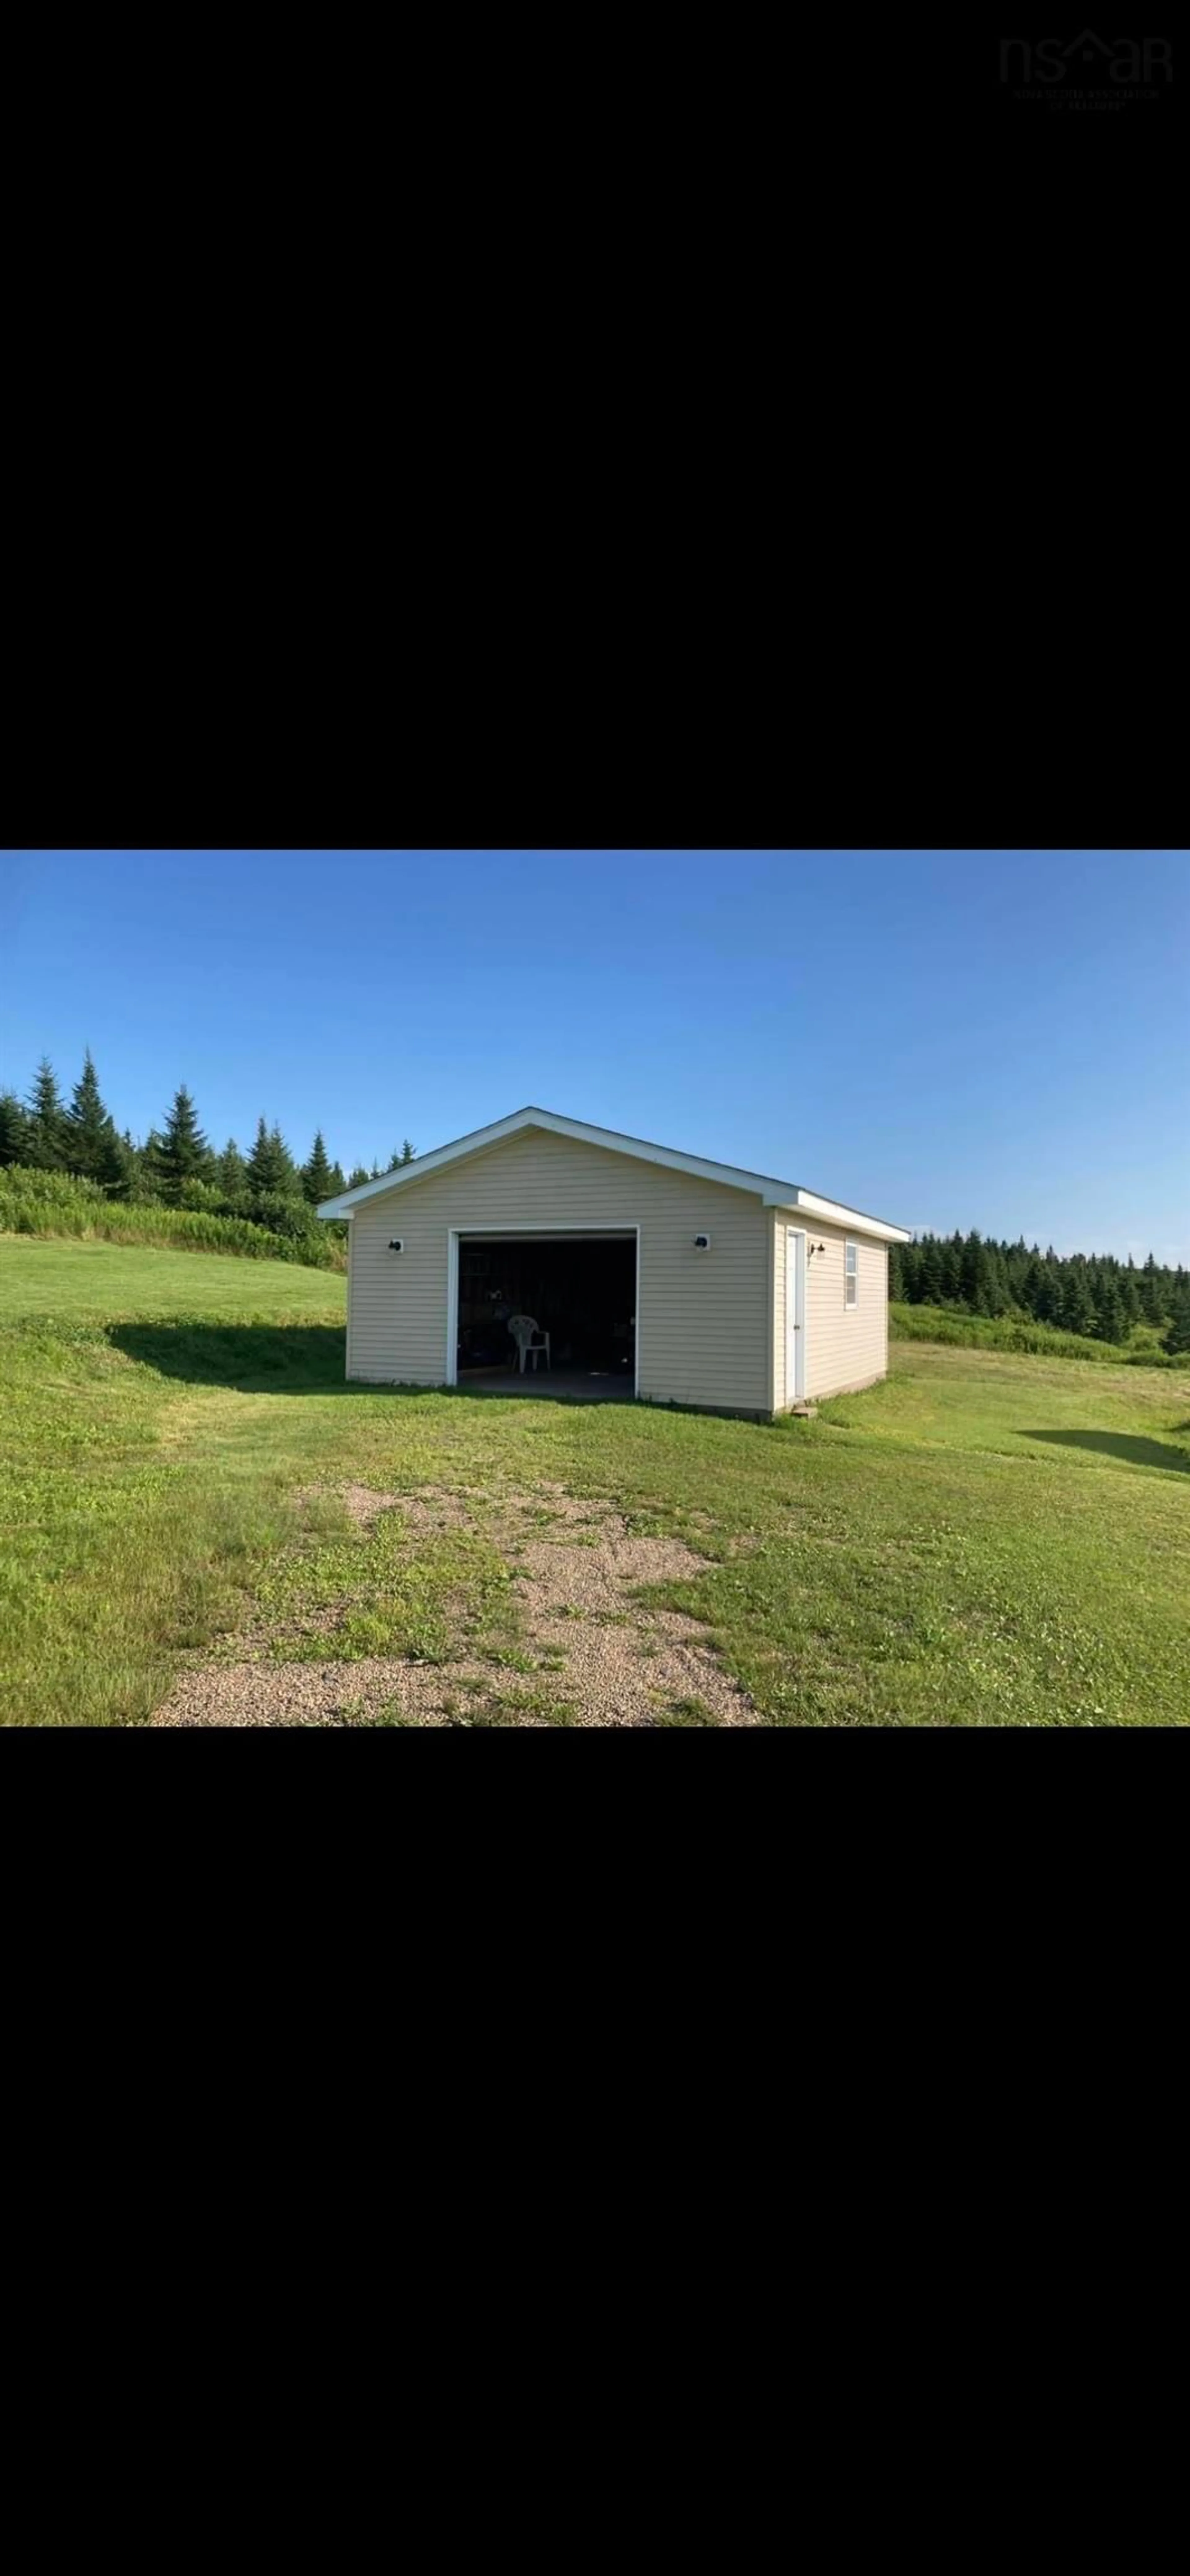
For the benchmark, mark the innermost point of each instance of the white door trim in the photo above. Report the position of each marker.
(795, 1315)
(559, 1233)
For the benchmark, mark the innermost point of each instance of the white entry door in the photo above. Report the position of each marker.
(795, 1315)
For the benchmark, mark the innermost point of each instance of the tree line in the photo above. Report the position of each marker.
(1089, 1293)
(174, 1163)
(1093, 1294)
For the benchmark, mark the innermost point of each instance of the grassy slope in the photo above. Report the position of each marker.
(107, 1280)
(61, 1207)
(984, 1539)
(944, 1324)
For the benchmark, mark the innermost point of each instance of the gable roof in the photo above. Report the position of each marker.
(772, 1193)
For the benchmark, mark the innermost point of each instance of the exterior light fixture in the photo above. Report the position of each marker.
(702, 1243)
(396, 1245)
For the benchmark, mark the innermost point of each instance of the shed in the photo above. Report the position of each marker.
(656, 1274)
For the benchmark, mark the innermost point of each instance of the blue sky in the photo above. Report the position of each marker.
(964, 1038)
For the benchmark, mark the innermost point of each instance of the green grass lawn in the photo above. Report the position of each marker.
(984, 1539)
(104, 1281)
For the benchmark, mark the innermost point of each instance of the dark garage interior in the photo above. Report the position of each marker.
(578, 1288)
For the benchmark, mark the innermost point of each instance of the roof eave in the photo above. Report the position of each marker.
(832, 1212)
(771, 1193)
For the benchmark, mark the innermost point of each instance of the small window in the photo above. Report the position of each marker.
(851, 1274)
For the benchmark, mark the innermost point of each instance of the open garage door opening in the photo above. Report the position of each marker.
(577, 1290)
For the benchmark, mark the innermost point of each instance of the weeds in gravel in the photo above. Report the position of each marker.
(686, 1712)
(430, 1599)
(507, 1708)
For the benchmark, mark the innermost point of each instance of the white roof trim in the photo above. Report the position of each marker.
(772, 1193)
(809, 1204)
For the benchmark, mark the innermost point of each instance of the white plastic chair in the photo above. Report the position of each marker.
(530, 1341)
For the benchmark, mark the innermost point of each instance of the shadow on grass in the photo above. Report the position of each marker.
(287, 1359)
(1124, 1445)
(308, 1359)
(284, 1359)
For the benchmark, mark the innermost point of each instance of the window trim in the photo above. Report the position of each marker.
(850, 1274)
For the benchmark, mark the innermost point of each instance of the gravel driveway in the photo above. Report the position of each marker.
(596, 1655)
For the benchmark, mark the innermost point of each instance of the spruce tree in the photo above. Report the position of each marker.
(358, 1177)
(1177, 1337)
(150, 1169)
(259, 1164)
(407, 1154)
(184, 1154)
(46, 1142)
(89, 1130)
(268, 1163)
(1077, 1313)
(318, 1181)
(950, 1270)
(117, 1162)
(930, 1289)
(14, 1129)
(231, 1172)
(996, 1288)
(290, 1181)
(975, 1275)
(1152, 1303)
(338, 1184)
(1109, 1312)
(1047, 1302)
(1019, 1269)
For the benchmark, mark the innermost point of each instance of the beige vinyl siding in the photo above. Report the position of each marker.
(703, 1318)
(846, 1346)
